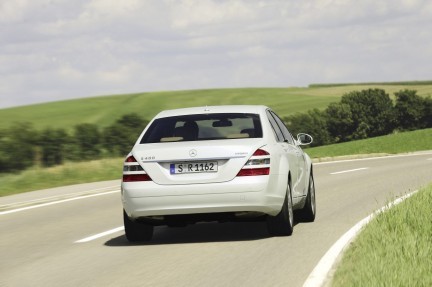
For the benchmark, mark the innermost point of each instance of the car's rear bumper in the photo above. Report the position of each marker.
(243, 194)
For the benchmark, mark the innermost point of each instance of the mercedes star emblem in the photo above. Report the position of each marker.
(193, 153)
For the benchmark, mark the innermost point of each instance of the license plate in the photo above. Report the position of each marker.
(194, 167)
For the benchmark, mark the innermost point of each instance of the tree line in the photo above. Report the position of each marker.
(358, 115)
(364, 114)
(22, 146)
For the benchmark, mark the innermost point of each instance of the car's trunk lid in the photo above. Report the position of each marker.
(195, 162)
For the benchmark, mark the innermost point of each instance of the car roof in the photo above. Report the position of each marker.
(252, 109)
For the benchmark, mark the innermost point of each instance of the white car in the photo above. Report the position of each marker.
(220, 163)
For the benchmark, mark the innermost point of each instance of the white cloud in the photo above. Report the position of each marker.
(13, 11)
(58, 48)
(196, 13)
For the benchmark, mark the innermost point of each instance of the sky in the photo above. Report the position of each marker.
(52, 50)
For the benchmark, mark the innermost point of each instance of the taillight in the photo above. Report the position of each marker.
(259, 152)
(254, 171)
(131, 159)
(258, 164)
(136, 177)
(133, 171)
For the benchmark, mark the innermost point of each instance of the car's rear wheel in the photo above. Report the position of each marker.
(136, 231)
(307, 214)
(283, 223)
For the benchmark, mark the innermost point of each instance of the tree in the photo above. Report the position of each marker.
(120, 136)
(371, 112)
(314, 122)
(17, 147)
(412, 111)
(427, 117)
(116, 140)
(340, 124)
(4, 147)
(87, 139)
(52, 142)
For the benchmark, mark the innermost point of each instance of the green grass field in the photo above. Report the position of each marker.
(394, 249)
(390, 144)
(104, 110)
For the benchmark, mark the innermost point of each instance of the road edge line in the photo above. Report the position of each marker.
(99, 235)
(56, 202)
(351, 158)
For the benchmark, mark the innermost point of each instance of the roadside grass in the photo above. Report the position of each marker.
(66, 174)
(390, 144)
(104, 110)
(394, 249)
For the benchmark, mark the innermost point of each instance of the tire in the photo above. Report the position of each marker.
(136, 231)
(283, 223)
(308, 212)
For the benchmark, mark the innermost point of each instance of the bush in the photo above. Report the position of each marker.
(340, 124)
(314, 122)
(427, 117)
(87, 139)
(52, 142)
(361, 114)
(17, 147)
(119, 138)
(412, 111)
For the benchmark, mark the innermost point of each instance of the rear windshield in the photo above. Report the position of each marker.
(203, 127)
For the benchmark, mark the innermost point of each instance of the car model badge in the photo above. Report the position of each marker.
(192, 153)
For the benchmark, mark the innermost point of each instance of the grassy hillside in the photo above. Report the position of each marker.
(391, 144)
(406, 83)
(104, 110)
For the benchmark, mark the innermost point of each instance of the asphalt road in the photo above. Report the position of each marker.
(47, 242)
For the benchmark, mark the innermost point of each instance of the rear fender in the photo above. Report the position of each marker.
(302, 200)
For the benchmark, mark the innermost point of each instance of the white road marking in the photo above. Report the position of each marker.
(99, 235)
(320, 273)
(349, 170)
(56, 202)
(68, 195)
(374, 158)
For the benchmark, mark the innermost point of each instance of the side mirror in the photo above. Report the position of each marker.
(304, 139)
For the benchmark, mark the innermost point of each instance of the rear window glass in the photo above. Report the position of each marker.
(203, 127)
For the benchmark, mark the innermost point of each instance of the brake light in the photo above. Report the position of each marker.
(131, 159)
(254, 171)
(258, 164)
(136, 177)
(260, 152)
(133, 171)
